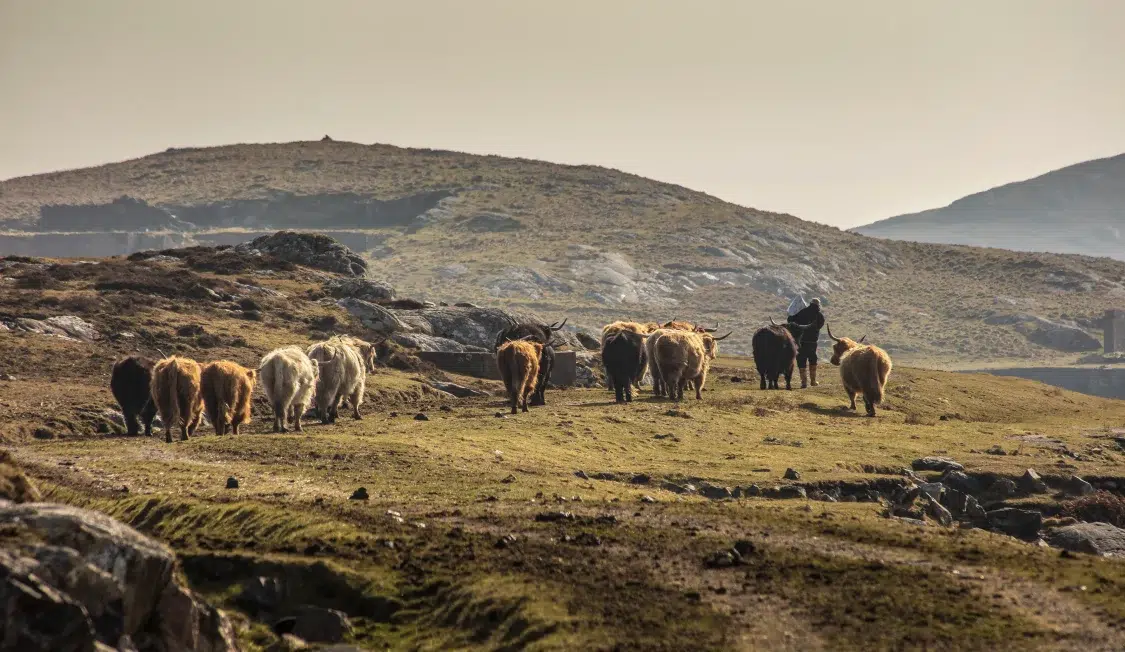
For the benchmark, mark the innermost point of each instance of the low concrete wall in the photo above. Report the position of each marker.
(1107, 383)
(483, 365)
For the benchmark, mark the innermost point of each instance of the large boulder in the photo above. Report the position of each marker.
(313, 250)
(1093, 538)
(72, 578)
(373, 316)
(432, 343)
(360, 288)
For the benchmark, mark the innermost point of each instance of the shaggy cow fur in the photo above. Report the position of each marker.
(864, 369)
(288, 378)
(367, 351)
(624, 357)
(775, 354)
(131, 384)
(684, 357)
(543, 334)
(175, 390)
(342, 375)
(227, 388)
(518, 363)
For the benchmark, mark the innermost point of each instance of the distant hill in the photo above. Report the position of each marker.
(583, 242)
(1078, 209)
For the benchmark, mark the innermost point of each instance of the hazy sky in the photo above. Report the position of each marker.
(839, 112)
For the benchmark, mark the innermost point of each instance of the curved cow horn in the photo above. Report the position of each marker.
(863, 338)
(559, 327)
(723, 337)
(833, 337)
(711, 330)
(772, 322)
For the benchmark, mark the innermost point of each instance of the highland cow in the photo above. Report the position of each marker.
(288, 378)
(342, 374)
(624, 357)
(227, 389)
(175, 391)
(775, 354)
(367, 351)
(543, 334)
(518, 363)
(131, 384)
(864, 369)
(684, 357)
(626, 327)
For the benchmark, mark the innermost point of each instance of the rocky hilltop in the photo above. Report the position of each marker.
(589, 243)
(1079, 209)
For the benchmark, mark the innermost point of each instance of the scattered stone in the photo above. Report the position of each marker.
(321, 625)
(309, 249)
(446, 408)
(736, 379)
(640, 478)
(508, 480)
(584, 539)
(723, 559)
(506, 541)
(606, 476)
(745, 548)
(936, 511)
(647, 499)
(791, 491)
(1091, 538)
(673, 487)
(752, 491)
(1032, 483)
(996, 450)
(1003, 488)
(736, 492)
(261, 593)
(714, 492)
(940, 464)
(961, 482)
(791, 474)
(421, 416)
(582, 475)
(232, 482)
(1078, 487)
(43, 433)
(359, 494)
(1019, 523)
(932, 489)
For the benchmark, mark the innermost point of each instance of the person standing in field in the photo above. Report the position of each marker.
(812, 320)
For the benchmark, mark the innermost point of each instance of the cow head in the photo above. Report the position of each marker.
(711, 344)
(842, 345)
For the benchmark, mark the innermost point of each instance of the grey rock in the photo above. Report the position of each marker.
(188, 623)
(582, 475)
(936, 511)
(1003, 488)
(1091, 538)
(75, 327)
(1078, 487)
(431, 343)
(640, 478)
(673, 487)
(475, 327)
(364, 289)
(932, 489)
(606, 475)
(791, 474)
(37, 617)
(142, 566)
(310, 250)
(262, 593)
(232, 482)
(372, 316)
(714, 492)
(961, 482)
(935, 464)
(752, 491)
(791, 491)
(1032, 483)
(321, 625)
(1019, 523)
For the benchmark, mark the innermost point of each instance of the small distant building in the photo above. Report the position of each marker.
(1114, 331)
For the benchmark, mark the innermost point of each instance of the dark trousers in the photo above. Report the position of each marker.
(806, 354)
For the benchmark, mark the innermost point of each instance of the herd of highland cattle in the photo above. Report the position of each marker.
(331, 374)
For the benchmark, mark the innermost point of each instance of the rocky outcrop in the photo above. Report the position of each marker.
(360, 288)
(73, 579)
(476, 327)
(373, 316)
(310, 250)
(66, 326)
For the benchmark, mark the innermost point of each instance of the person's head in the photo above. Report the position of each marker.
(815, 302)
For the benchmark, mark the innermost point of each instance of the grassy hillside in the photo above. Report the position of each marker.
(562, 528)
(1079, 209)
(596, 244)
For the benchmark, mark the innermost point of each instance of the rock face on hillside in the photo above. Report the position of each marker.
(72, 579)
(309, 249)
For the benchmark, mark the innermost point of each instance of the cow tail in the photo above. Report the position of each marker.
(171, 396)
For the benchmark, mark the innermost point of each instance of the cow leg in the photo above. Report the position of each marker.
(280, 411)
(132, 423)
(789, 379)
(147, 415)
(298, 412)
(869, 403)
(851, 396)
(629, 394)
(355, 406)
